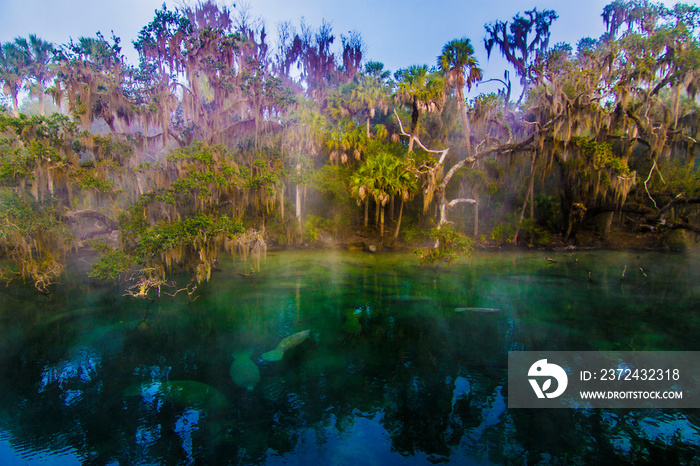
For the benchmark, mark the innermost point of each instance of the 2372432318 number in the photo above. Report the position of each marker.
(639, 374)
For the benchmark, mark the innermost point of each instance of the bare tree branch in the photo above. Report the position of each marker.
(454, 202)
(443, 153)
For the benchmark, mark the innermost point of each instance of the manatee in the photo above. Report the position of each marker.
(476, 309)
(244, 372)
(286, 344)
(188, 393)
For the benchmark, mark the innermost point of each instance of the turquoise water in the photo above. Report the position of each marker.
(397, 366)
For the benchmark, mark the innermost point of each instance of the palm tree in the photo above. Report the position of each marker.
(376, 69)
(39, 68)
(381, 176)
(404, 184)
(13, 68)
(368, 96)
(370, 92)
(360, 186)
(422, 91)
(461, 68)
(302, 138)
(92, 73)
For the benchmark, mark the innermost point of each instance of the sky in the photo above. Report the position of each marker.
(396, 33)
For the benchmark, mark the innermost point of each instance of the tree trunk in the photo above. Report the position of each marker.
(282, 202)
(524, 92)
(676, 104)
(49, 178)
(298, 206)
(476, 217)
(528, 196)
(465, 120)
(398, 224)
(15, 105)
(381, 228)
(42, 106)
(442, 206)
(366, 211)
(415, 114)
(608, 224)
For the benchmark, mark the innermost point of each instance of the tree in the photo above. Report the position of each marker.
(40, 70)
(403, 183)
(13, 70)
(370, 92)
(461, 68)
(421, 91)
(303, 133)
(93, 75)
(616, 109)
(516, 44)
(381, 176)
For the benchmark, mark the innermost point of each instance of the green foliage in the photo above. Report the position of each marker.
(99, 245)
(186, 232)
(451, 244)
(133, 223)
(533, 233)
(548, 212)
(249, 136)
(676, 241)
(333, 184)
(414, 233)
(313, 226)
(502, 233)
(332, 180)
(112, 148)
(33, 237)
(15, 162)
(38, 223)
(682, 178)
(86, 178)
(600, 155)
(40, 150)
(199, 152)
(112, 264)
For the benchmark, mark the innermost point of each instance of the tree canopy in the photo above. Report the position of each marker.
(210, 141)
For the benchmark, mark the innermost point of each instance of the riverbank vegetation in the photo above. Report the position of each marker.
(221, 140)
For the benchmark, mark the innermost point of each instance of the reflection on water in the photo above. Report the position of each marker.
(400, 364)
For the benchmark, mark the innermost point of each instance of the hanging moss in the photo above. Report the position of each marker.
(33, 237)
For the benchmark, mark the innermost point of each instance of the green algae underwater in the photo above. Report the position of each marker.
(401, 364)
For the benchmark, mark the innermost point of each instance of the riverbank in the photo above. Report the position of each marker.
(616, 240)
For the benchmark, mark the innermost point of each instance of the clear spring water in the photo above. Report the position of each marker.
(391, 372)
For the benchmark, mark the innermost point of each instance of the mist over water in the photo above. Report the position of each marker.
(402, 364)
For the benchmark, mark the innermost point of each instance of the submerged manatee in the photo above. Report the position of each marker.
(476, 309)
(286, 344)
(244, 372)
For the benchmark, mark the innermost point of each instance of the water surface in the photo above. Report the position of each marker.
(401, 364)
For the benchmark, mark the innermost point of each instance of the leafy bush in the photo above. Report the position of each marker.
(111, 265)
(451, 244)
(503, 233)
(534, 233)
(313, 226)
(548, 212)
